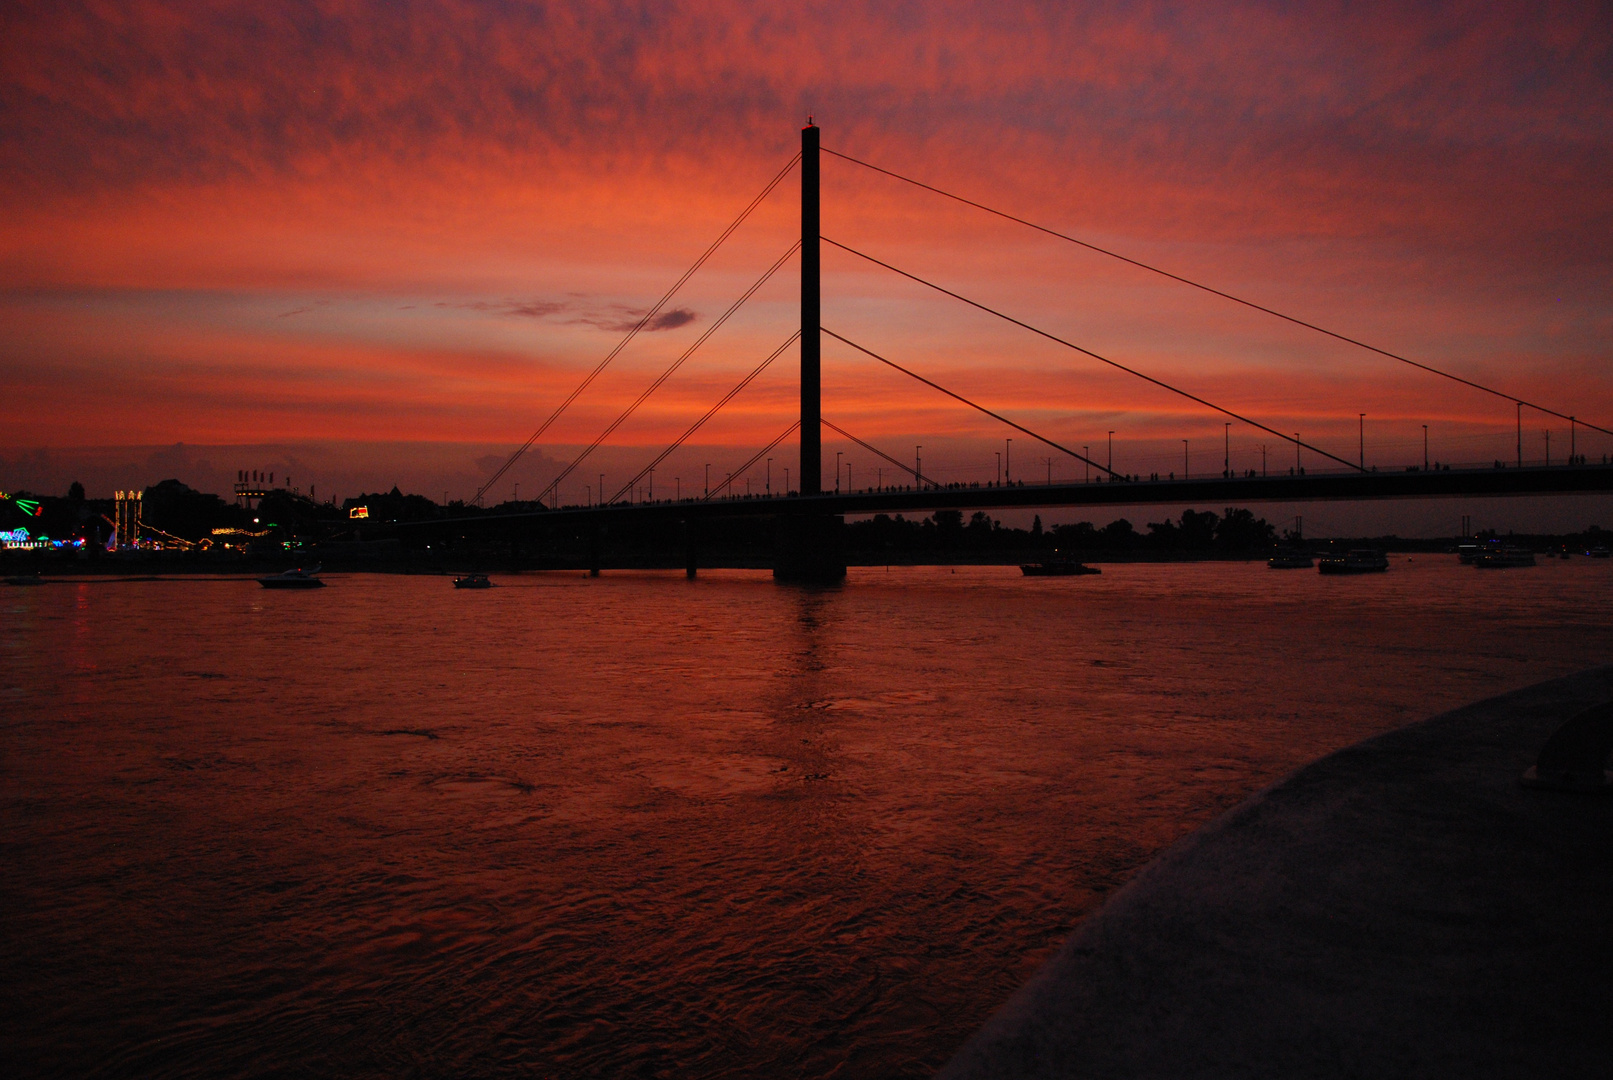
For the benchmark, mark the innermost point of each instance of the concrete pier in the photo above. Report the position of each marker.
(1402, 908)
(810, 549)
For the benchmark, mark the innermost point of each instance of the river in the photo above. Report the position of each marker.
(642, 826)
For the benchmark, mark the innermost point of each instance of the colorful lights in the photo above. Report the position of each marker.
(359, 512)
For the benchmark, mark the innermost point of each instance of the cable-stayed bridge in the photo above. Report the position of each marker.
(809, 511)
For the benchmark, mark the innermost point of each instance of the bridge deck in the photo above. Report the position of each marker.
(1216, 491)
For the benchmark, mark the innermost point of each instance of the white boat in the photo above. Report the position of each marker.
(293, 579)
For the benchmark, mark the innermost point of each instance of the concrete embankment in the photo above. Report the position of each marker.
(1403, 907)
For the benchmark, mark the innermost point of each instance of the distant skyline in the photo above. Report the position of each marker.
(389, 239)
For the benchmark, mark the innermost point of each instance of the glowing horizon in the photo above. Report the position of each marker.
(366, 227)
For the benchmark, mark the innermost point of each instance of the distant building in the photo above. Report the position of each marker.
(128, 505)
(251, 486)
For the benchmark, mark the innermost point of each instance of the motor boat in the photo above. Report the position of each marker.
(1289, 560)
(1058, 566)
(293, 579)
(1357, 561)
(473, 581)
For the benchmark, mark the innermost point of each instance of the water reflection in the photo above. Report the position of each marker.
(636, 825)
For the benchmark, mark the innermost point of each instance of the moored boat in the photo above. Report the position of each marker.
(1504, 558)
(25, 579)
(1057, 566)
(293, 579)
(1286, 559)
(1357, 561)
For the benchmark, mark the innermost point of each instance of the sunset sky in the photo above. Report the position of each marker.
(378, 243)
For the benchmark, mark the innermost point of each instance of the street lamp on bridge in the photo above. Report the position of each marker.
(918, 469)
(838, 454)
(770, 476)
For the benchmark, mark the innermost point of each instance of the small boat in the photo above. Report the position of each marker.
(293, 579)
(473, 581)
(1504, 558)
(1466, 553)
(1597, 552)
(1289, 560)
(25, 579)
(1357, 561)
(1058, 566)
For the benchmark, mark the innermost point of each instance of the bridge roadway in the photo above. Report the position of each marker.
(1211, 492)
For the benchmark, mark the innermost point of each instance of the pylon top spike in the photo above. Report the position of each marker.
(809, 120)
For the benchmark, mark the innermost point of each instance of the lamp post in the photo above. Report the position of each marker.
(1111, 466)
(999, 470)
(708, 479)
(1520, 434)
(1184, 459)
(1363, 438)
(1298, 468)
(786, 480)
(1086, 456)
(1049, 472)
(770, 478)
(837, 470)
(652, 485)
(1226, 451)
(849, 488)
(601, 489)
(1008, 460)
(1425, 448)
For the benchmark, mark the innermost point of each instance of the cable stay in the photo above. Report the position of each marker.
(743, 469)
(667, 374)
(640, 325)
(694, 427)
(1217, 292)
(1085, 352)
(918, 477)
(973, 405)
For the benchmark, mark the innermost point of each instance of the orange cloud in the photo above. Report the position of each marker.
(361, 220)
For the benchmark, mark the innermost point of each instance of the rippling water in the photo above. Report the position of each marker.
(639, 826)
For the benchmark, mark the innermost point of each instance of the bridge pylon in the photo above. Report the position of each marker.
(811, 472)
(810, 547)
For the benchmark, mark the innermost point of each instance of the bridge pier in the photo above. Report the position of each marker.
(810, 550)
(691, 548)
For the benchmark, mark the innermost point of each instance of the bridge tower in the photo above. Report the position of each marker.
(811, 546)
(811, 317)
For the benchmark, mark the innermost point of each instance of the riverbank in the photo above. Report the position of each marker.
(1404, 907)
